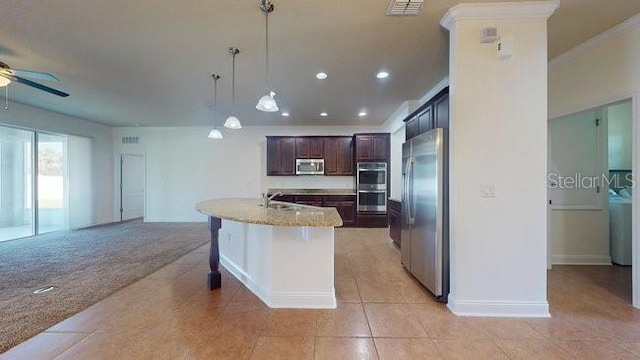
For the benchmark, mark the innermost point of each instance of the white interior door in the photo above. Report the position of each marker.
(132, 173)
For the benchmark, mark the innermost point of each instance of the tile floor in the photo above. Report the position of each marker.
(382, 314)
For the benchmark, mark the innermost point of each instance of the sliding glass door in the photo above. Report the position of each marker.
(17, 218)
(31, 204)
(51, 183)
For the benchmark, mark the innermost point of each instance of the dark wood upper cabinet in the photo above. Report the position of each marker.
(433, 114)
(426, 120)
(441, 111)
(309, 147)
(338, 156)
(372, 147)
(412, 128)
(281, 156)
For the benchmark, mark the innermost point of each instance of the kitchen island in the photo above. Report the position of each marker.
(282, 253)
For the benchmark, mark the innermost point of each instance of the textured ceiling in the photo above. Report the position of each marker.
(149, 62)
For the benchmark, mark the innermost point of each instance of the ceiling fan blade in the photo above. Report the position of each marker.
(36, 85)
(36, 75)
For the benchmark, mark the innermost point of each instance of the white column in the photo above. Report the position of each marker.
(498, 160)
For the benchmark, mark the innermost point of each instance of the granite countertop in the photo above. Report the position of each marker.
(313, 191)
(251, 211)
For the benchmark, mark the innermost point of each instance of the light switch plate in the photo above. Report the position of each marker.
(488, 191)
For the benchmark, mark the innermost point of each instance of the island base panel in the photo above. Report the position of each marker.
(215, 278)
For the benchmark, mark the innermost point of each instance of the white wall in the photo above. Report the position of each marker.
(602, 71)
(102, 149)
(498, 137)
(620, 119)
(185, 167)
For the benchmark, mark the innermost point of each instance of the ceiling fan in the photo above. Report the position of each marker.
(8, 75)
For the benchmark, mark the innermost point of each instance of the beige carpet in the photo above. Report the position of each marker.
(84, 266)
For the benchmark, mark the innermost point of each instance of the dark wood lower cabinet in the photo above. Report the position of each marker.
(313, 200)
(394, 221)
(285, 198)
(345, 204)
(372, 220)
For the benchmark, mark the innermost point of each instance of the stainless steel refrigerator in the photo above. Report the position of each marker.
(425, 209)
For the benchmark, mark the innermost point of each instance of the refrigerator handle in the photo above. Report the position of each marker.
(407, 193)
(411, 201)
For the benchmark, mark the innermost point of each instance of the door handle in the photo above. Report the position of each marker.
(408, 192)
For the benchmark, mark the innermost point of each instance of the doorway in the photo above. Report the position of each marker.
(590, 195)
(33, 183)
(132, 186)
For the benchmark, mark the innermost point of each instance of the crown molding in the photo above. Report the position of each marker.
(624, 27)
(500, 11)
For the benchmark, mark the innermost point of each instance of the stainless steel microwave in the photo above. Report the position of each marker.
(309, 166)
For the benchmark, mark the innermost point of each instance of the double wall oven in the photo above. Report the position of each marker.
(371, 181)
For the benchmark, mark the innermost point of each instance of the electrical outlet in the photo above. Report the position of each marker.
(488, 191)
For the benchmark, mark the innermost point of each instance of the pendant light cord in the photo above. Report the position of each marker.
(266, 35)
(233, 84)
(215, 98)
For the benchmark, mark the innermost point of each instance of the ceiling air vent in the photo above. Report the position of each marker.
(404, 8)
(131, 140)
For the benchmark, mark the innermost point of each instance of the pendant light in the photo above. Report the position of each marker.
(267, 103)
(215, 133)
(4, 81)
(232, 121)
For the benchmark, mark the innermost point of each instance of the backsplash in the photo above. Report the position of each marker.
(310, 182)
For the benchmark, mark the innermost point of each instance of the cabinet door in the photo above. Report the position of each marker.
(287, 156)
(412, 128)
(426, 120)
(364, 148)
(331, 150)
(331, 156)
(303, 148)
(441, 109)
(338, 156)
(285, 198)
(346, 207)
(316, 148)
(273, 157)
(345, 156)
(313, 200)
(347, 211)
(281, 156)
(380, 147)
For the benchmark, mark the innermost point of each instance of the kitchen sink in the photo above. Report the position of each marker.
(280, 206)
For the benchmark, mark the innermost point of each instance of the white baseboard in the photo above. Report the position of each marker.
(485, 308)
(303, 301)
(580, 260)
(281, 299)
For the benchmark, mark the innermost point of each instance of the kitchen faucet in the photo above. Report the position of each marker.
(266, 198)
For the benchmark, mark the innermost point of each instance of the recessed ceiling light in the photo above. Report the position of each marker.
(321, 75)
(323, 114)
(285, 114)
(382, 75)
(362, 113)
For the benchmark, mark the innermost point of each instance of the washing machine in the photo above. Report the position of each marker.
(620, 230)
